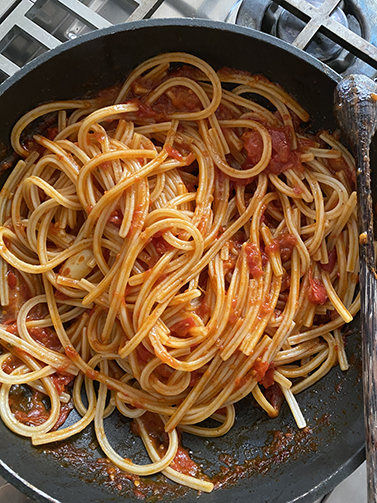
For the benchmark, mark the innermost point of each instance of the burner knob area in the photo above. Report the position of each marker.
(289, 26)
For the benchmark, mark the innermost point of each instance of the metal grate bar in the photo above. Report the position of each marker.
(318, 19)
(145, 10)
(17, 18)
(83, 12)
(7, 66)
(5, 6)
(38, 33)
(18, 13)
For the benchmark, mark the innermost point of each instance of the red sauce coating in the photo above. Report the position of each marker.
(11, 364)
(143, 355)
(284, 243)
(174, 153)
(155, 428)
(145, 111)
(12, 280)
(203, 310)
(268, 378)
(317, 293)
(183, 327)
(183, 463)
(61, 381)
(260, 368)
(161, 245)
(136, 219)
(339, 164)
(46, 337)
(282, 157)
(71, 352)
(275, 396)
(116, 218)
(329, 267)
(27, 405)
(253, 260)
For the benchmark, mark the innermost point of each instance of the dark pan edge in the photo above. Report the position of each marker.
(23, 485)
(281, 44)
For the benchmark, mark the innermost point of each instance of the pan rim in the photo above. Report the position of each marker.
(145, 23)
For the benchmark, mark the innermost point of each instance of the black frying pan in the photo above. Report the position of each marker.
(276, 463)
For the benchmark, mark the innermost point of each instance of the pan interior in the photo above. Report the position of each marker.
(260, 458)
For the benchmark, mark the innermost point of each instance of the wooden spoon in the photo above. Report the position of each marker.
(356, 111)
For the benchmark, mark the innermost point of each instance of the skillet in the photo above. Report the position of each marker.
(261, 459)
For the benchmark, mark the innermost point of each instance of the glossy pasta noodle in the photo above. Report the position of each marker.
(182, 245)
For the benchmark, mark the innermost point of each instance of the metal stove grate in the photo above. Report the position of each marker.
(344, 32)
(319, 19)
(30, 27)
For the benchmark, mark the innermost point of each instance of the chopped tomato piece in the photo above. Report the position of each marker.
(317, 293)
(253, 144)
(60, 381)
(329, 267)
(268, 378)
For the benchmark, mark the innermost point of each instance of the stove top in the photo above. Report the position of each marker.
(341, 33)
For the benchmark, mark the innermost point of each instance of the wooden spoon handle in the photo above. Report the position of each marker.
(356, 110)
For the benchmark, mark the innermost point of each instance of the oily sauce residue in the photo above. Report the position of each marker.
(279, 448)
(283, 446)
(100, 470)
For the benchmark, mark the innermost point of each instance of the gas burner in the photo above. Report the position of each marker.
(323, 28)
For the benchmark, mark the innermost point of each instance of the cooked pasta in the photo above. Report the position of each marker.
(182, 241)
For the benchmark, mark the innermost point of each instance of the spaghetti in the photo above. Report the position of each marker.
(182, 245)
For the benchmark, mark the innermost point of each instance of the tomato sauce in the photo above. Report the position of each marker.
(19, 293)
(161, 245)
(182, 461)
(268, 379)
(282, 156)
(28, 405)
(11, 364)
(329, 267)
(174, 153)
(183, 327)
(203, 310)
(260, 368)
(253, 260)
(46, 337)
(284, 243)
(317, 293)
(116, 218)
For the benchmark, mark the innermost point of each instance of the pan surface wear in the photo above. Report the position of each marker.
(298, 468)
